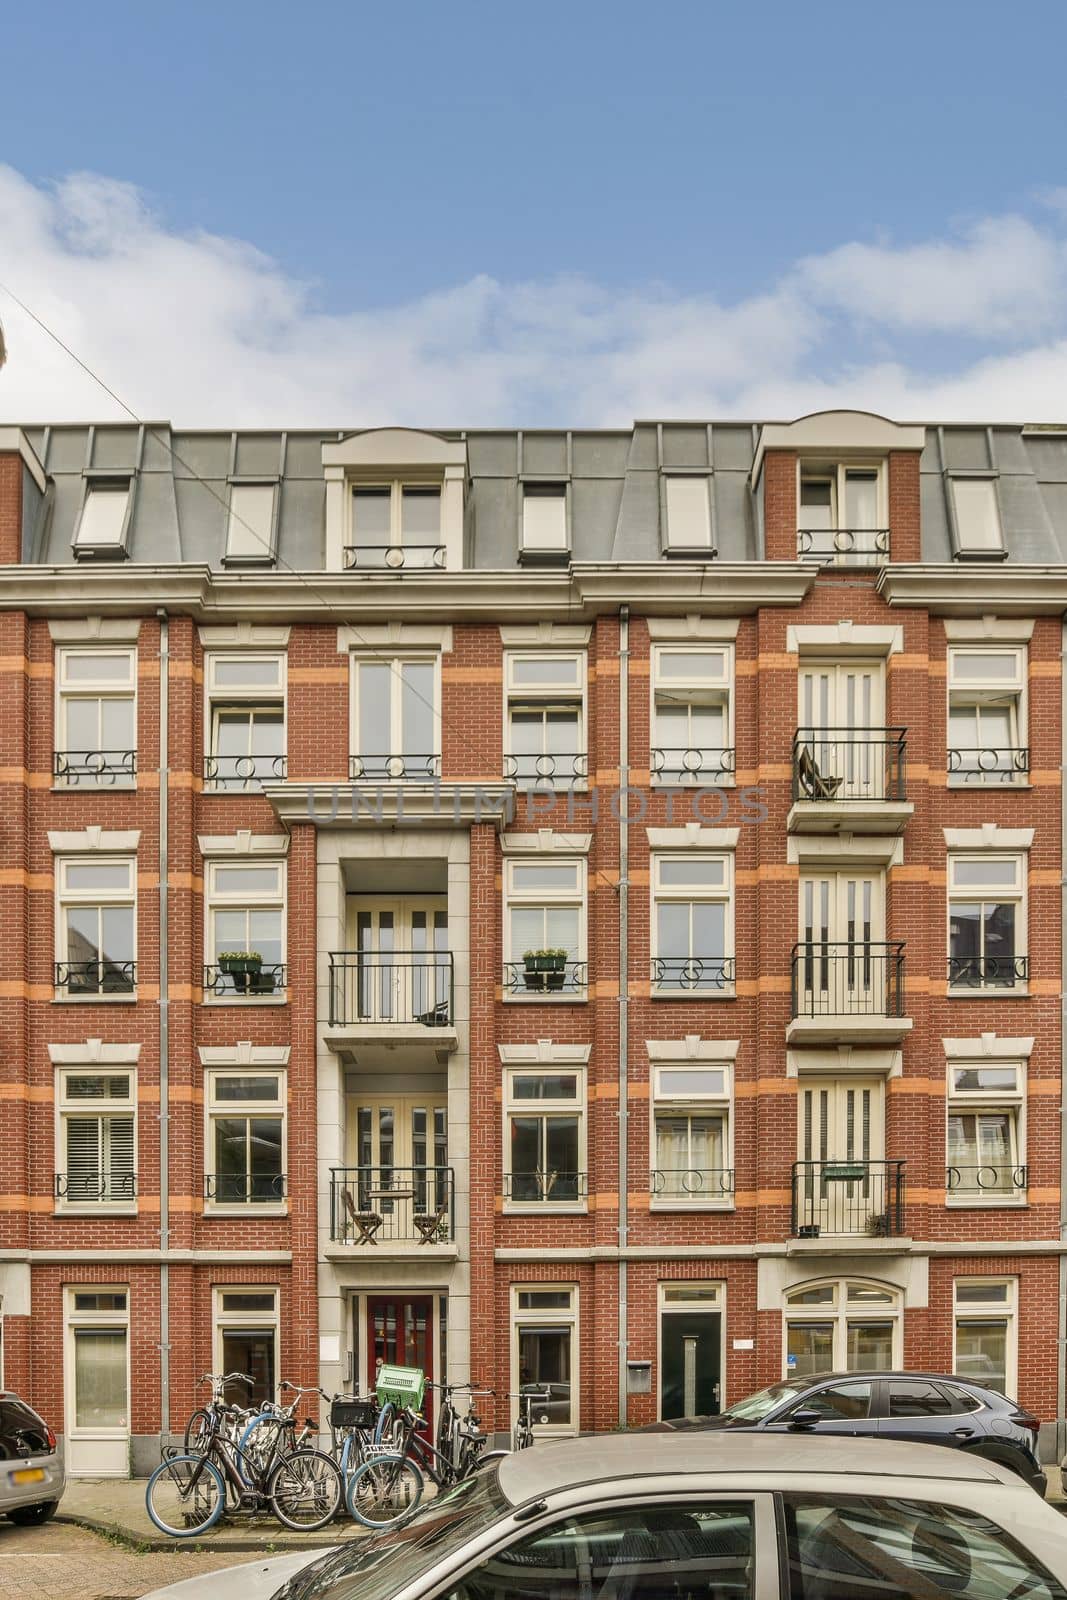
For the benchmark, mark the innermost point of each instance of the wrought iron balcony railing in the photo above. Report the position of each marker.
(847, 1196)
(987, 972)
(991, 765)
(395, 1205)
(544, 983)
(846, 980)
(243, 772)
(244, 1188)
(843, 764)
(547, 771)
(989, 1181)
(232, 983)
(696, 975)
(852, 547)
(693, 1186)
(544, 1188)
(390, 986)
(394, 557)
(394, 767)
(94, 768)
(692, 763)
(96, 977)
(95, 1188)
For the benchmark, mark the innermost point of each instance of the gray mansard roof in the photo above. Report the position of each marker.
(179, 510)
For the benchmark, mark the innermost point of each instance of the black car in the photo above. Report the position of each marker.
(923, 1407)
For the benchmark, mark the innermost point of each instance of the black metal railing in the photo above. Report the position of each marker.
(544, 1188)
(96, 977)
(390, 986)
(692, 763)
(399, 1205)
(391, 767)
(692, 974)
(987, 972)
(843, 980)
(94, 767)
(842, 764)
(989, 1179)
(394, 557)
(857, 1197)
(244, 1188)
(542, 982)
(248, 984)
(988, 764)
(695, 1185)
(243, 772)
(852, 547)
(547, 771)
(95, 1188)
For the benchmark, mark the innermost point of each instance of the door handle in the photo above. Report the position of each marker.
(963, 1433)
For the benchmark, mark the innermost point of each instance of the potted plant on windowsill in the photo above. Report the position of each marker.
(544, 969)
(244, 967)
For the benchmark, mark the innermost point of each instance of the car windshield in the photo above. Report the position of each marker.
(378, 1567)
(764, 1401)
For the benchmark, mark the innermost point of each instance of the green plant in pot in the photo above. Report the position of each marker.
(243, 966)
(545, 969)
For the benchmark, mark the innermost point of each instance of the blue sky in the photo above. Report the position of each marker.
(513, 180)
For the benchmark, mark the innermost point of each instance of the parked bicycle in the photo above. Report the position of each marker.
(389, 1484)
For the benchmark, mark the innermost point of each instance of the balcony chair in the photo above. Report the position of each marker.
(812, 780)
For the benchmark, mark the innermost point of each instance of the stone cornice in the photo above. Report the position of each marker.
(354, 805)
(966, 589)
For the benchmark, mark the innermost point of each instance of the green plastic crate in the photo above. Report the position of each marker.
(404, 1386)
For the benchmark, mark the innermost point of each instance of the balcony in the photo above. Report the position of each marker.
(410, 1208)
(851, 993)
(991, 1184)
(394, 557)
(678, 764)
(565, 980)
(547, 771)
(244, 1188)
(241, 773)
(545, 1188)
(1004, 764)
(675, 1189)
(95, 1188)
(80, 980)
(843, 547)
(394, 767)
(403, 999)
(95, 769)
(853, 1198)
(230, 982)
(998, 974)
(692, 976)
(849, 779)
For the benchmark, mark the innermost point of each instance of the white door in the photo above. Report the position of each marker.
(842, 961)
(841, 735)
(97, 1386)
(398, 1162)
(841, 1181)
(400, 969)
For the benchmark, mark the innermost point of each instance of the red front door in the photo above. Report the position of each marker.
(400, 1333)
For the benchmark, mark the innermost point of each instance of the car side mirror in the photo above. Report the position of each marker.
(805, 1417)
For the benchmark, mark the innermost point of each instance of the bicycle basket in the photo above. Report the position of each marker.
(352, 1411)
(404, 1386)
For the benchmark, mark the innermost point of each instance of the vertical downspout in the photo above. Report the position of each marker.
(164, 1031)
(624, 994)
(1061, 1320)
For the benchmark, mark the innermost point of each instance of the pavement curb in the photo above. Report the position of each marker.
(226, 1545)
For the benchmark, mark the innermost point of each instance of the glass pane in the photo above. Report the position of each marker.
(914, 1398)
(557, 1086)
(527, 930)
(561, 1158)
(562, 877)
(251, 522)
(371, 515)
(118, 935)
(682, 870)
(100, 1377)
(982, 1351)
(545, 1364)
(850, 1400)
(821, 1295)
(265, 932)
(116, 725)
(232, 732)
(544, 1299)
(709, 930)
(692, 1081)
(985, 1079)
(83, 725)
(97, 667)
(688, 511)
(230, 930)
(977, 871)
(526, 1158)
(979, 1290)
(246, 672)
(816, 503)
(861, 499)
(246, 1088)
(870, 1346)
(550, 671)
(692, 666)
(91, 1086)
(265, 1157)
(252, 1351)
(247, 881)
(993, 666)
(672, 933)
(85, 875)
(544, 517)
(420, 515)
(103, 515)
(977, 513)
(809, 1348)
(374, 691)
(417, 700)
(561, 929)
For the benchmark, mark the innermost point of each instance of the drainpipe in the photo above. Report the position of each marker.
(164, 1033)
(1061, 1320)
(624, 994)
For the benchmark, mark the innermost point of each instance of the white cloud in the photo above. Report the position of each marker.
(209, 331)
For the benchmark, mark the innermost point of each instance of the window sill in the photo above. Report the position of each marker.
(726, 993)
(1020, 992)
(95, 1209)
(244, 1000)
(557, 790)
(245, 1211)
(546, 1208)
(685, 1207)
(544, 558)
(547, 999)
(119, 786)
(986, 1203)
(695, 780)
(954, 781)
(94, 999)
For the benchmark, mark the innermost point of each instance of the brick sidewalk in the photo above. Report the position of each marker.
(64, 1562)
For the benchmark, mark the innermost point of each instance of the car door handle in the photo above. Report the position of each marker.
(963, 1433)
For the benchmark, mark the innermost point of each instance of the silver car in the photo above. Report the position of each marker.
(632, 1517)
(31, 1473)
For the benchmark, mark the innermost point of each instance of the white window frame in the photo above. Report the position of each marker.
(216, 901)
(712, 690)
(215, 1108)
(264, 550)
(980, 894)
(547, 899)
(392, 551)
(105, 484)
(836, 474)
(1005, 1309)
(964, 1102)
(227, 696)
(837, 1312)
(961, 549)
(674, 984)
(67, 1107)
(74, 1319)
(704, 543)
(69, 689)
(396, 772)
(221, 1319)
(578, 1107)
(67, 897)
(568, 1317)
(545, 694)
(689, 1100)
(975, 692)
(533, 490)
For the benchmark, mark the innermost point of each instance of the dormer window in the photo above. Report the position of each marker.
(840, 517)
(103, 526)
(395, 525)
(545, 532)
(975, 518)
(251, 530)
(687, 514)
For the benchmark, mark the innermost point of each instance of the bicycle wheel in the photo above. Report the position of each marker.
(384, 1490)
(257, 1444)
(384, 1425)
(197, 1431)
(185, 1496)
(305, 1490)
